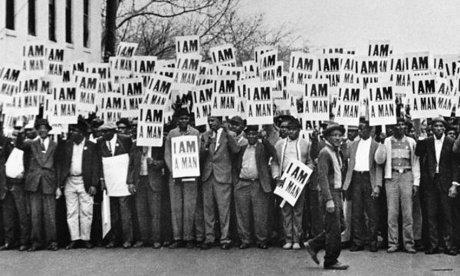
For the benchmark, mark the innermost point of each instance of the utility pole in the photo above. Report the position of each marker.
(110, 28)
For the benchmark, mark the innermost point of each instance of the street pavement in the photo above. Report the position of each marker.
(274, 261)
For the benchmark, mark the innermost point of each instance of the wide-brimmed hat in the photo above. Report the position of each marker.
(42, 122)
(124, 121)
(331, 127)
(236, 120)
(108, 126)
(81, 125)
(251, 128)
(439, 119)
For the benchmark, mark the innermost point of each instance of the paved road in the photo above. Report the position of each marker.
(273, 261)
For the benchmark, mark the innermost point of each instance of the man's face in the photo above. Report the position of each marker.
(284, 129)
(335, 138)
(42, 131)
(31, 134)
(236, 127)
(183, 121)
(400, 128)
(293, 132)
(214, 123)
(122, 128)
(438, 129)
(252, 137)
(351, 134)
(364, 131)
(108, 134)
(76, 135)
(451, 133)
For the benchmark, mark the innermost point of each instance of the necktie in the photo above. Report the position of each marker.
(42, 145)
(110, 147)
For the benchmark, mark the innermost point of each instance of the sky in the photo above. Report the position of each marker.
(410, 25)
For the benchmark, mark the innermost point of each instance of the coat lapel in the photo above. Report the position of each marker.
(220, 141)
(372, 153)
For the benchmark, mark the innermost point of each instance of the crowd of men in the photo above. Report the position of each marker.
(371, 187)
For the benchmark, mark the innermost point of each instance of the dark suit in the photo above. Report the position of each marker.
(217, 182)
(253, 195)
(76, 186)
(120, 212)
(148, 192)
(439, 206)
(41, 185)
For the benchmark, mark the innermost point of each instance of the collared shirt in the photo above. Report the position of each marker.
(144, 156)
(217, 136)
(290, 153)
(77, 158)
(437, 148)
(362, 155)
(400, 154)
(112, 143)
(249, 163)
(241, 140)
(45, 142)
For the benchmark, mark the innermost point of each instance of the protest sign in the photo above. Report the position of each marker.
(302, 67)
(206, 74)
(400, 77)
(250, 69)
(9, 83)
(372, 70)
(63, 104)
(126, 49)
(223, 55)
(186, 71)
(316, 100)
(188, 44)
(30, 95)
(87, 89)
(423, 97)
(419, 63)
(202, 96)
(259, 50)
(379, 48)
(184, 155)
(112, 106)
(349, 69)
(144, 67)
(150, 125)
(382, 105)
(446, 66)
(259, 105)
(159, 90)
(115, 175)
(55, 62)
(34, 55)
(131, 90)
(224, 96)
(295, 178)
(446, 99)
(348, 104)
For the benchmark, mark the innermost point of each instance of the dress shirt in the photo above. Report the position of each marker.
(77, 158)
(145, 154)
(249, 163)
(290, 153)
(112, 143)
(217, 136)
(437, 148)
(362, 155)
(45, 142)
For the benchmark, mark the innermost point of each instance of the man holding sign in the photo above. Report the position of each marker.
(182, 190)
(330, 165)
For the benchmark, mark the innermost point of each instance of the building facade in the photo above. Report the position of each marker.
(73, 24)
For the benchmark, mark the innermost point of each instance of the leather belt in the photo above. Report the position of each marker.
(401, 170)
(359, 172)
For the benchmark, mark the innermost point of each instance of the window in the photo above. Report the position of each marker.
(32, 17)
(52, 20)
(86, 23)
(10, 14)
(68, 21)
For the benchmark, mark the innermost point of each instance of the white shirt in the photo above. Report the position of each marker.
(437, 148)
(46, 142)
(219, 133)
(112, 144)
(362, 155)
(77, 158)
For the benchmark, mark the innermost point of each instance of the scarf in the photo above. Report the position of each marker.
(337, 163)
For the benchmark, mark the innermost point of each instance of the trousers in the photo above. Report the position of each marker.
(183, 196)
(79, 209)
(120, 218)
(43, 216)
(148, 205)
(292, 219)
(15, 206)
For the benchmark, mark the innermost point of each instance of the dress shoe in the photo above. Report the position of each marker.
(432, 250)
(287, 246)
(296, 246)
(53, 246)
(337, 266)
(87, 245)
(71, 245)
(263, 245)
(392, 249)
(138, 244)
(373, 247)
(23, 247)
(34, 247)
(312, 252)
(206, 246)
(189, 245)
(176, 244)
(450, 252)
(156, 245)
(127, 245)
(411, 250)
(356, 248)
(6, 246)
(244, 245)
(110, 245)
(225, 246)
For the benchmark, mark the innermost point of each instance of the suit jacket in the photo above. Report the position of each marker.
(448, 162)
(264, 151)
(155, 173)
(375, 170)
(42, 167)
(326, 173)
(90, 163)
(6, 147)
(218, 161)
(122, 146)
